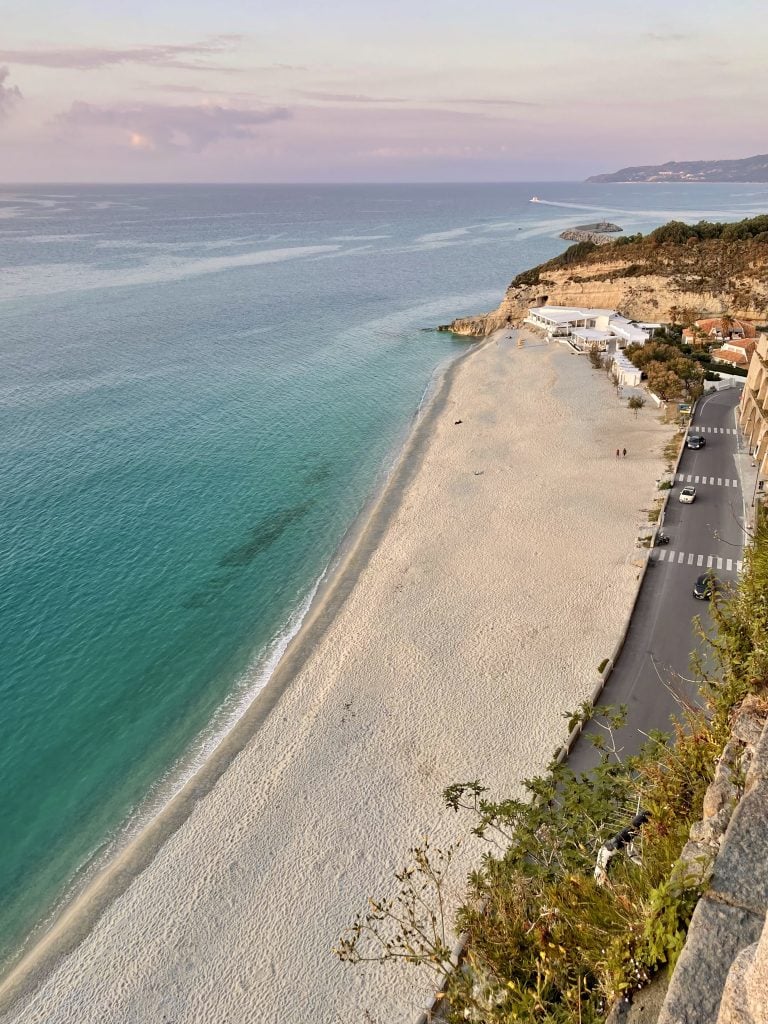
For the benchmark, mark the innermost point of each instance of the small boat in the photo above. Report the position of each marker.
(534, 199)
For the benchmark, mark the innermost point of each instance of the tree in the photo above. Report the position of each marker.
(690, 373)
(698, 335)
(595, 357)
(687, 316)
(664, 382)
(654, 351)
(727, 324)
(674, 314)
(636, 403)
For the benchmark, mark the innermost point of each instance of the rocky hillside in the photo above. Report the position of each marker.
(751, 168)
(643, 277)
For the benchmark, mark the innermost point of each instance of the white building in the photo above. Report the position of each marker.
(626, 373)
(562, 321)
(585, 328)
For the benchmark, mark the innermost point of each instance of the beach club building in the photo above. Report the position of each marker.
(584, 329)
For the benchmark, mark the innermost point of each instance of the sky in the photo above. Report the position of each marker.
(351, 90)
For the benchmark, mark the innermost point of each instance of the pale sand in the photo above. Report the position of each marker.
(478, 619)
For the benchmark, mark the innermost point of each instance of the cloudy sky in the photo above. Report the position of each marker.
(353, 90)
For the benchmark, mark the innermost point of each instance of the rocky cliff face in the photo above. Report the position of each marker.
(710, 279)
(722, 973)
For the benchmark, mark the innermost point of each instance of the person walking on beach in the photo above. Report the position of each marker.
(618, 453)
(624, 452)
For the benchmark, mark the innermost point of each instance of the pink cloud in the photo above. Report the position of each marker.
(9, 94)
(93, 58)
(347, 97)
(148, 126)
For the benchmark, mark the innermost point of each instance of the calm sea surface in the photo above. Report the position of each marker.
(199, 388)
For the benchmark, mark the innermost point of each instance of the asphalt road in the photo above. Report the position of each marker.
(657, 650)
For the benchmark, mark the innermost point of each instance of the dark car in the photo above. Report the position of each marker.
(695, 441)
(704, 587)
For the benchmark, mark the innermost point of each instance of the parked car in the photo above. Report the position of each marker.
(687, 495)
(704, 587)
(695, 441)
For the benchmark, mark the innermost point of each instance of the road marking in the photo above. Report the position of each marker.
(712, 430)
(691, 558)
(681, 478)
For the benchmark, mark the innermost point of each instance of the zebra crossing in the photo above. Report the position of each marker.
(703, 561)
(715, 481)
(712, 430)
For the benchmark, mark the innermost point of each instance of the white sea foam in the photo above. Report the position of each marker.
(52, 278)
(656, 214)
(353, 250)
(220, 243)
(357, 238)
(74, 237)
(440, 236)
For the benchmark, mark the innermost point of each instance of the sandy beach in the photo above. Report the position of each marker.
(496, 576)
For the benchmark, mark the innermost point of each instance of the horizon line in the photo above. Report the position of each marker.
(317, 184)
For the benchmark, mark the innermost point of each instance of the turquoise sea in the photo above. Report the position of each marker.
(199, 389)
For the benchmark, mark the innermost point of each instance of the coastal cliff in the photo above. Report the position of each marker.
(643, 277)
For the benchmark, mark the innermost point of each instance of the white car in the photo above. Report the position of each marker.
(688, 495)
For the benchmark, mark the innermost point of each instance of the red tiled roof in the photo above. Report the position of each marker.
(735, 358)
(715, 323)
(748, 344)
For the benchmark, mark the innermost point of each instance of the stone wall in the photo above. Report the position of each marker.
(722, 974)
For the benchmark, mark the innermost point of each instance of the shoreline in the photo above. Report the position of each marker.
(464, 619)
(78, 916)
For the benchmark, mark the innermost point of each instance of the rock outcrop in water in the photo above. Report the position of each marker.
(645, 277)
(599, 233)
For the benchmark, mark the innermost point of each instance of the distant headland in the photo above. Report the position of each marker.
(750, 169)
